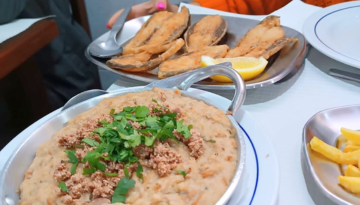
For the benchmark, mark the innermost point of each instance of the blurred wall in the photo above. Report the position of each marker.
(99, 12)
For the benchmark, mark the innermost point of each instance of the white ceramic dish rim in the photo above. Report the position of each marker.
(309, 30)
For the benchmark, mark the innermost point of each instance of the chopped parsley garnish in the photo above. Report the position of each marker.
(126, 171)
(139, 171)
(79, 146)
(93, 157)
(73, 159)
(183, 129)
(87, 171)
(117, 138)
(141, 111)
(161, 106)
(63, 187)
(211, 141)
(121, 189)
(90, 142)
(131, 127)
(181, 172)
(111, 174)
(112, 111)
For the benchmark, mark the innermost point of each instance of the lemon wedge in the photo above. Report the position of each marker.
(247, 67)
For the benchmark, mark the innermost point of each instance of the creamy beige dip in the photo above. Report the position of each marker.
(206, 181)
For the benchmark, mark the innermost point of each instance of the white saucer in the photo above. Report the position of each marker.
(335, 31)
(260, 179)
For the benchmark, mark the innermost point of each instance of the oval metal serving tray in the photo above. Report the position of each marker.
(286, 61)
(326, 126)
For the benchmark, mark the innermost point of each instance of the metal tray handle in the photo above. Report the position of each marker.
(82, 97)
(220, 69)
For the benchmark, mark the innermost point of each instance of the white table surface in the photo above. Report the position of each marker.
(282, 110)
(17, 26)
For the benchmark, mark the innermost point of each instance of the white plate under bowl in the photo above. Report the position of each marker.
(335, 31)
(260, 179)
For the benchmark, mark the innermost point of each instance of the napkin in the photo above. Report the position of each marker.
(17, 26)
(292, 15)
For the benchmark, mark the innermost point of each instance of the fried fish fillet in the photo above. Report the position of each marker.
(207, 32)
(144, 61)
(258, 38)
(190, 61)
(151, 48)
(147, 30)
(171, 29)
(278, 45)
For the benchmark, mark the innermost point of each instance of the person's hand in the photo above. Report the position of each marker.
(146, 8)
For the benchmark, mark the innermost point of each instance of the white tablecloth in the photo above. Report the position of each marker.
(281, 109)
(284, 108)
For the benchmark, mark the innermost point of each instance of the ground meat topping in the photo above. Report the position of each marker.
(160, 109)
(70, 140)
(163, 159)
(135, 125)
(99, 185)
(112, 166)
(67, 199)
(61, 172)
(178, 113)
(195, 142)
(142, 151)
(81, 152)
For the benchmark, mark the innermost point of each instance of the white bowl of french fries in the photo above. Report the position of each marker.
(331, 147)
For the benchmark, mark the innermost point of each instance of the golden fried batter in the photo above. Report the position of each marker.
(144, 61)
(147, 30)
(258, 38)
(207, 32)
(190, 61)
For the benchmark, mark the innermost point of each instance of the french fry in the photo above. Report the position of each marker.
(352, 171)
(351, 148)
(351, 135)
(351, 184)
(333, 153)
(350, 143)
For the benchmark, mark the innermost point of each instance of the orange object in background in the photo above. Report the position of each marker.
(324, 3)
(257, 7)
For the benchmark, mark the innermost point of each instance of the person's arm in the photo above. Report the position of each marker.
(10, 9)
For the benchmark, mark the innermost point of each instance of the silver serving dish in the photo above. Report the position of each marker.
(280, 65)
(326, 126)
(18, 163)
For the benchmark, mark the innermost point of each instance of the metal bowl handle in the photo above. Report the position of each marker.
(220, 69)
(82, 97)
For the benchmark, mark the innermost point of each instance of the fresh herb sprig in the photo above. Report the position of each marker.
(139, 171)
(119, 137)
(63, 187)
(72, 159)
(182, 172)
(121, 189)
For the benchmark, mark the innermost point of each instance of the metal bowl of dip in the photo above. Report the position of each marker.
(14, 170)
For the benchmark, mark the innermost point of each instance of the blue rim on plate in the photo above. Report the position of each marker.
(315, 27)
(257, 163)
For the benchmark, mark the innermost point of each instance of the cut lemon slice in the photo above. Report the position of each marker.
(247, 67)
